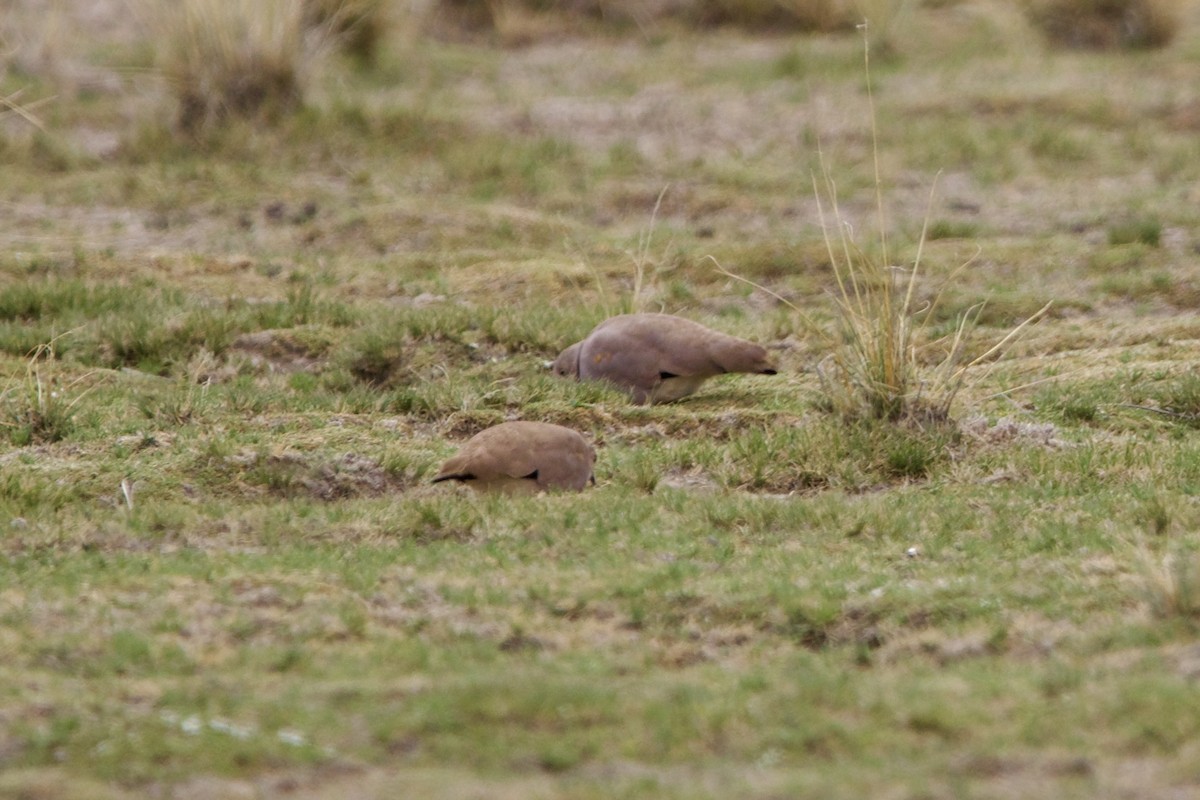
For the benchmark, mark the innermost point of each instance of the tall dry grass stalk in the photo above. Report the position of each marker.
(881, 18)
(882, 363)
(645, 291)
(645, 270)
(10, 106)
(226, 58)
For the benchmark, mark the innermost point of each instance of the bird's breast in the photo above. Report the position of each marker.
(670, 389)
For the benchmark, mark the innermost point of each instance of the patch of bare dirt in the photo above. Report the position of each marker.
(620, 422)
(292, 474)
(1007, 429)
(941, 648)
(694, 480)
(341, 781)
(284, 351)
(53, 783)
(666, 121)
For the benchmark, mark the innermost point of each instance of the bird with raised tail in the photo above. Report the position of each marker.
(658, 358)
(523, 458)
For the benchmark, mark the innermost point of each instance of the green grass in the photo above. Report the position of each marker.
(1145, 231)
(223, 569)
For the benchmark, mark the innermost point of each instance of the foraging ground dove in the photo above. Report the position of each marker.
(658, 358)
(522, 457)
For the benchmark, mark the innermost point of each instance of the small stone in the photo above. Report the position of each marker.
(427, 299)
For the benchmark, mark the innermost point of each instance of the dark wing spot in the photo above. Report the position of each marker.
(462, 476)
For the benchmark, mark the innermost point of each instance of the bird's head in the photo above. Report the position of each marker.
(567, 363)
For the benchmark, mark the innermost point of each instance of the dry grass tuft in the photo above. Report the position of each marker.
(222, 58)
(814, 15)
(512, 22)
(35, 40)
(1170, 582)
(38, 408)
(873, 369)
(882, 363)
(520, 21)
(1108, 24)
(358, 27)
(10, 106)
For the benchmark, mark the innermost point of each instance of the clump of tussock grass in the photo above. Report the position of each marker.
(884, 363)
(803, 15)
(223, 58)
(1170, 581)
(357, 27)
(519, 21)
(1182, 398)
(1179, 401)
(1107, 24)
(38, 408)
(179, 406)
(466, 16)
(813, 15)
(1147, 231)
(375, 356)
(509, 21)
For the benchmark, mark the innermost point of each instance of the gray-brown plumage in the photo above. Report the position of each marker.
(522, 457)
(658, 358)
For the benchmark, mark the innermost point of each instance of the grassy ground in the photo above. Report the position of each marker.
(223, 572)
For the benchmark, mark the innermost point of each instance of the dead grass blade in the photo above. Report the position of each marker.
(24, 111)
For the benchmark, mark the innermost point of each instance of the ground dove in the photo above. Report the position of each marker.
(522, 457)
(658, 358)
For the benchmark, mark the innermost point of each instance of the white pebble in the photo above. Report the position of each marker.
(294, 738)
